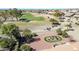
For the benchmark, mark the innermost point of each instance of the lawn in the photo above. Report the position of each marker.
(32, 17)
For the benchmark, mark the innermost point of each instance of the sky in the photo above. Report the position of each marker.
(43, 4)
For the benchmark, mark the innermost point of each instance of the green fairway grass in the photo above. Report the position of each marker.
(32, 17)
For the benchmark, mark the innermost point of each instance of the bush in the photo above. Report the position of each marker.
(7, 43)
(59, 31)
(54, 22)
(62, 33)
(4, 43)
(25, 47)
(29, 35)
(52, 39)
(57, 14)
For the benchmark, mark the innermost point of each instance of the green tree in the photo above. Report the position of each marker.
(7, 43)
(12, 31)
